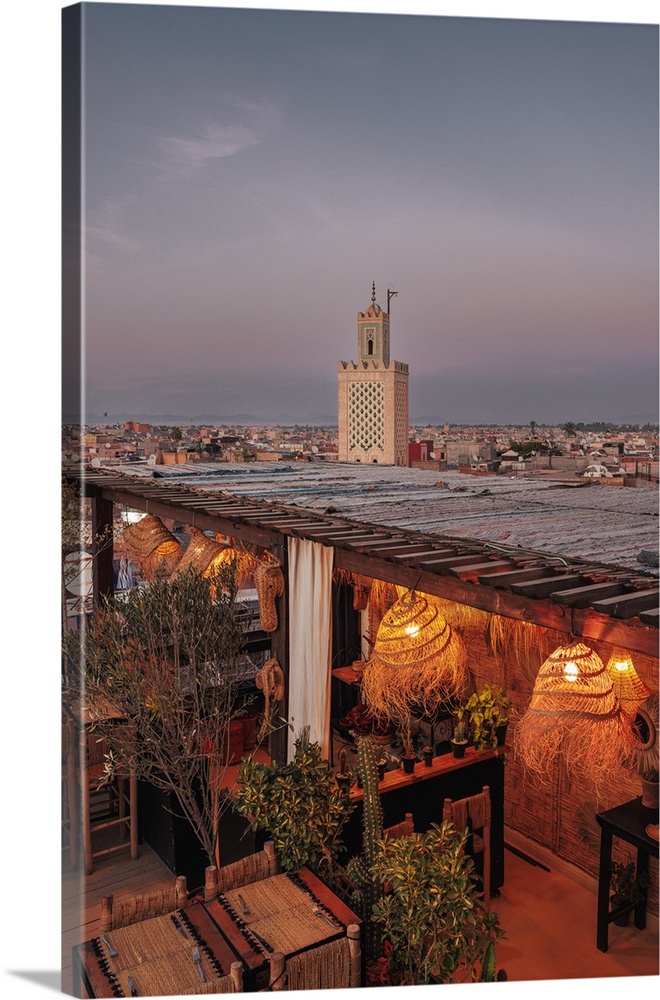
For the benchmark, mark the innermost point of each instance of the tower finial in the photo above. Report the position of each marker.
(373, 293)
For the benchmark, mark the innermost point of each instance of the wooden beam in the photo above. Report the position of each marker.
(650, 617)
(472, 570)
(546, 586)
(587, 623)
(448, 562)
(629, 605)
(396, 549)
(405, 556)
(516, 576)
(582, 597)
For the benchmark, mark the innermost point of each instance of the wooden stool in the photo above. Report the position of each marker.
(121, 810)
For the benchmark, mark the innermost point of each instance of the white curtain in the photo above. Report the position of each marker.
(310, 641)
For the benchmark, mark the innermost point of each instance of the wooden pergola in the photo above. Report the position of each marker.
(592, 601)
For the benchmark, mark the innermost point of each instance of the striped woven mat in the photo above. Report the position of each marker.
(284, 915)
(158, 959)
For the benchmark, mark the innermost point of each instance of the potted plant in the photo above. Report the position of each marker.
(343, 777)
(459, 740)
(488, 714)
(435, 926)
(299, 805)
(649, 779)
(408, 757)
(154, 655)
(428, 756)
(626, 888)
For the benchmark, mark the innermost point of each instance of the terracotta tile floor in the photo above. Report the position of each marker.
(550, 923)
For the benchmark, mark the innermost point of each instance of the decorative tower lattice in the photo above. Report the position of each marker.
(373, 395)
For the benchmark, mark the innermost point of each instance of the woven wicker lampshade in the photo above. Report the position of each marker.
(575, 713)
(150, 543)
(202, 553)
(629, 688)
(417, 660)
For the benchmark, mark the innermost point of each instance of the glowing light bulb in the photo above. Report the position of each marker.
(621, 665)
(412, 629)
(571, 671)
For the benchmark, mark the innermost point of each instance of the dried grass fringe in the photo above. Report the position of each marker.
(327, 967)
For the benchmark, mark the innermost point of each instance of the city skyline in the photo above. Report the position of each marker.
(249, 173)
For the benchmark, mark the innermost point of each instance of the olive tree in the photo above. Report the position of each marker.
(163, 659)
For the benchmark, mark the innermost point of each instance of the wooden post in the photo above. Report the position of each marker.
(210, 883)
(133, 819)
(277, 978)
(273, 864)
(70, 738)
(102, 567)
(236, 973)
(105, 918)
(280, 651)
(85, 806)
(181, 891)
(355, 954)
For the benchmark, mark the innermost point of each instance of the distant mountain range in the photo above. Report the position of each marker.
(289, 420)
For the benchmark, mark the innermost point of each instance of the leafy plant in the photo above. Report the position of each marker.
(437, 927)
(299, 805)
(486, 710)
(163, 658)
(625, 884)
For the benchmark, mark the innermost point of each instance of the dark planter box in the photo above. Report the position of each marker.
(174, 841)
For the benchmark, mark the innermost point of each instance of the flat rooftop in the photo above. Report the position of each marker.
(611, 524)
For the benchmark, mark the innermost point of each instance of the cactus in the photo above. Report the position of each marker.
(368, 890)
(372, 811)
(342, 762)
(488, 974)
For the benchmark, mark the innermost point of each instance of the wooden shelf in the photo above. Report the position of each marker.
(441, 765)
(347, 675)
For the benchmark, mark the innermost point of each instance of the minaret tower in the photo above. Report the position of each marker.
(373, 395)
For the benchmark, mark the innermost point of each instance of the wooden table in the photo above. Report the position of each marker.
(280, 922)
(155, 955)
(628, 822)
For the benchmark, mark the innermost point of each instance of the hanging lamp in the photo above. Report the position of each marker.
(151, 544)
(574, 713)
(417, 660)
(629, 688)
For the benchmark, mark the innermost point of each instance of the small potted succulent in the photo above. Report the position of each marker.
(428, 756)
(459, 740)
(343, 777)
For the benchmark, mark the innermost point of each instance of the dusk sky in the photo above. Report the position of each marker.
(249, 173)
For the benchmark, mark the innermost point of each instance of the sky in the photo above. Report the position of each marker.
(248, 173)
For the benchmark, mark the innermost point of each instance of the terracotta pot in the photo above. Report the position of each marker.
(649, 793)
